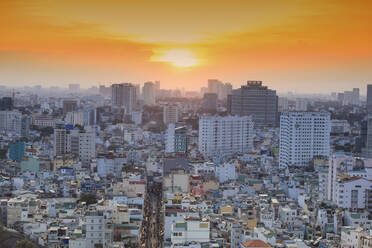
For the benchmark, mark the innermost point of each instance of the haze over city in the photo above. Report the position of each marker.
(185, 124)
(300, 46)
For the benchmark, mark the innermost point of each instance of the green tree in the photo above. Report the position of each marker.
(88, 198)
(25, 244)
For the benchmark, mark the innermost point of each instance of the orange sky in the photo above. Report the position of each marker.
(292, 45)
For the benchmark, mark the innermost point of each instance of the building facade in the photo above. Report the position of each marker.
(225, 135)
(256, 100)
(303, 135)
(124, 95)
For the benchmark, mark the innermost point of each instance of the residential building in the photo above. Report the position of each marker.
(170, 114)
(176, 139)
(225, 135)
(11, 122)
(190, 230)
(303, 135)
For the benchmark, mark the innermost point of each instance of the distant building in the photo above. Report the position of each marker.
(170, 114)
(104, 91)
(61, 139)
(74, 118)
(283, 104)
(209, 102)
(256, 100)
(176, 139)
(149, 93)
(11, 122)
(124, 95)
(6, 103)
(368, 148)
(74, 87)
(303, 135)
(340, 126)
(220, 89)
(225, 135)
(17, 151)
(82, 143)
(301, 104)
(369, 98)
(69, 105)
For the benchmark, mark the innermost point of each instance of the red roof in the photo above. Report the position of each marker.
(256, 243)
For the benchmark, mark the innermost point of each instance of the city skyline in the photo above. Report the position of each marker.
(302, 46)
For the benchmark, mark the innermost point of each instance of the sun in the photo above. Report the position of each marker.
(176, 57)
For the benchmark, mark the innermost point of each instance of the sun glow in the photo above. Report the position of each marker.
(176, 57)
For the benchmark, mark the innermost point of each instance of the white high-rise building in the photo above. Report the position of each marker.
(74, 118)
(11, 122)
(95, 230)
(87, 146)
(225, 135)
(170, 114)
(303, 135)
(149, 93)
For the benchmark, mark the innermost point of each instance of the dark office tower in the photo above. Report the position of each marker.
(256, 100)
(124, 95)
(209, 102)
(6, 103)
(69, 106)
(369, 98)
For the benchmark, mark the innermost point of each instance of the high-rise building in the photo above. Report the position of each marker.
(176, 139)
(209, 102)
(369, 98)
(348, 98)
(105, 91)
(283, 104)
(74, 87)
(80, 142)
(61, 139)
(69, 105)
(124, 95)
(225, 135)
(303, 136)
(6, 103)
(222, 90)
(301, 104)
(87, 146)
(11, 122)
(170, 114)
(356, 97)
(74, 118)
(149, 92)
(256, 100)
(368, 148)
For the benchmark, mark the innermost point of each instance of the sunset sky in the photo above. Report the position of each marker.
(291, 45)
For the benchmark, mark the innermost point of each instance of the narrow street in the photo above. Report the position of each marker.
(151, 234)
